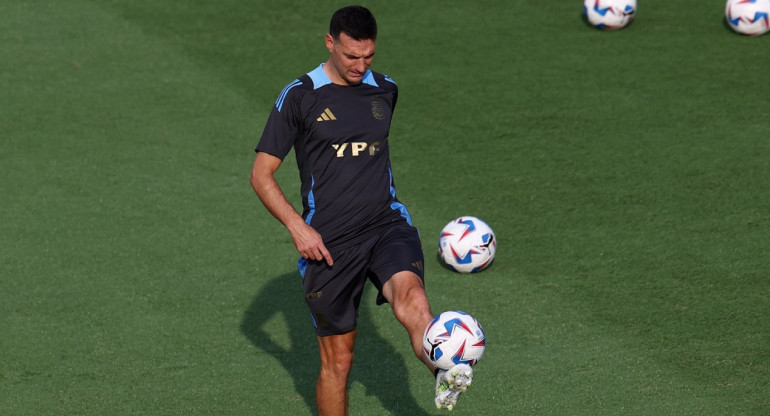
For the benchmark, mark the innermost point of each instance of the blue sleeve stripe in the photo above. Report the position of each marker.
(389, 79)
(284, 92)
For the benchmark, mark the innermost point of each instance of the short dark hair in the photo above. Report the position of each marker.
(355, 21)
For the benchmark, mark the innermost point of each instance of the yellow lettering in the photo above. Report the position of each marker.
(358, 147)
(340, 148)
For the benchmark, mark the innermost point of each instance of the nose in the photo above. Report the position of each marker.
(360, 66)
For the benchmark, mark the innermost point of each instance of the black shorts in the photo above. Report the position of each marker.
(333, 294)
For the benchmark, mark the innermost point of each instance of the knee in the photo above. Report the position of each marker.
(404, 287)
(338, 363)
(337, 354)
(415, 294)
(411, 300)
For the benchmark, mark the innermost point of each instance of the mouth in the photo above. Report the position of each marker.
(354, 78)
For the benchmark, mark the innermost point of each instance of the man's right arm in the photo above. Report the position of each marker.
(306, 239)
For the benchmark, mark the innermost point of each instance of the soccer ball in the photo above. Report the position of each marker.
(452, 338)
(467, 245)
(748, 17)
(609, 14)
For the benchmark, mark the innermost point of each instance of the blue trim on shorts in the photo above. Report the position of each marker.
(302, 266)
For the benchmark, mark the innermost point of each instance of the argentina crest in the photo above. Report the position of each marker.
(378, 108)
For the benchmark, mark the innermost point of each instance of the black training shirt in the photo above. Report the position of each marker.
(340, 138)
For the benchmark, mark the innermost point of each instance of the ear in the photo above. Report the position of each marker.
(329, 42)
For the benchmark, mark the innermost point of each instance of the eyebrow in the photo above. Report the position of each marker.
(349, 56)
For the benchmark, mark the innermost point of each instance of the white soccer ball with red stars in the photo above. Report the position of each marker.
(609, 14)
(748, 17)
(452, 338)
(467, 245)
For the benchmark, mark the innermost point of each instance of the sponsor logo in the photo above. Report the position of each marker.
(327, 115)
(356, 148)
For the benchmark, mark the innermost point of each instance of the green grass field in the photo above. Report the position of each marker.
(626, 174)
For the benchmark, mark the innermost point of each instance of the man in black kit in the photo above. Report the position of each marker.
(352, 228)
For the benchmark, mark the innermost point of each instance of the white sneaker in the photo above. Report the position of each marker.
(450, 384)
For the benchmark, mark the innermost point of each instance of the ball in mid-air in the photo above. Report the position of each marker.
(748, 17)
(467, 245)
(452, 338)
(609, 14)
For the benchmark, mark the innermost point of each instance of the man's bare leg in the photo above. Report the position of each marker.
(332, 386)
(406, 294)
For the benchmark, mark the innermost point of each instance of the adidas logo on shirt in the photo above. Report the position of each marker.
(327, 115)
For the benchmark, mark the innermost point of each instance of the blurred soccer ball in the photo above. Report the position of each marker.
(467, 245)
(748, 17)
(452, 338)
(609, 14)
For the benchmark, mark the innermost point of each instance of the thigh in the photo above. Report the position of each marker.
(398, 250)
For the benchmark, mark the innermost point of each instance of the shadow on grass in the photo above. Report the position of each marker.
(378, 366)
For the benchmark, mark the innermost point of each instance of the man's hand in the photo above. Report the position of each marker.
(309, 243)
(306, 239)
